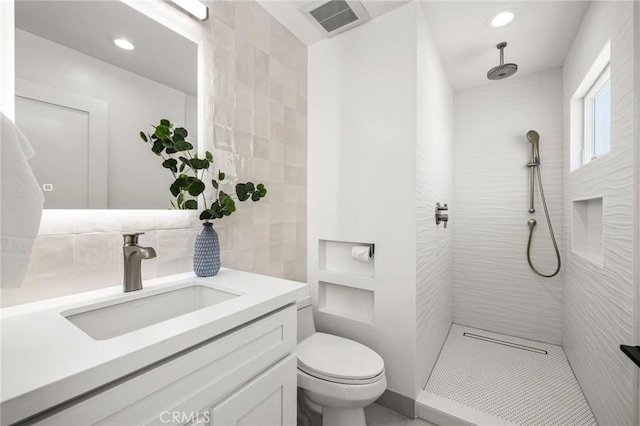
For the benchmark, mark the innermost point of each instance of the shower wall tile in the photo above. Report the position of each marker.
(434, 251)
(598, 299)
(258, 132)
(493, 287)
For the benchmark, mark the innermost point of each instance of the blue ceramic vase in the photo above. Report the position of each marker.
(206, 253)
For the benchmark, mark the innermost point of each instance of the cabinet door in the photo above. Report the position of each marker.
(268, 400)
(177, 391)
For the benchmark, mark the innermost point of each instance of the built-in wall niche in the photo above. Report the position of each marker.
(346, 257)
(346, 302)
(587, 229)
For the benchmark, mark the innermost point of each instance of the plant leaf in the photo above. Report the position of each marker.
(208, 156)
(221, 175)
(206, 214)
(255, 196)
(196, 188)
(165, 122)
(171, 164)
(261, 189)
(181, 132)
(182, 145)
(199, 164)
(214, 183)
(191, 204)
(143, 137)
(249, 187)
(175, 189)
(241, 192)
(162, 132)
(157, 147)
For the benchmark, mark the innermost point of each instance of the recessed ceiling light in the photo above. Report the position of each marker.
(502, 18)
(123, 43)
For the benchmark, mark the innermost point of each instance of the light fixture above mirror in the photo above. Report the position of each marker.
(194, 7)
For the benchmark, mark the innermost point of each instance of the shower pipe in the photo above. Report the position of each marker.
(534, 169)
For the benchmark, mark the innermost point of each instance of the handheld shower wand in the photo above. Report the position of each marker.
(534, 161)
(534, 168)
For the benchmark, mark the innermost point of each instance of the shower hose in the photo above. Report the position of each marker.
(553, 237)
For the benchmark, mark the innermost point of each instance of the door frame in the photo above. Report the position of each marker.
(97, 111)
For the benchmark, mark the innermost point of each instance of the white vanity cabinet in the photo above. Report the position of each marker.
(246, 376)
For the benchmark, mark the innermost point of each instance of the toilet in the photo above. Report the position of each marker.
(338, 377)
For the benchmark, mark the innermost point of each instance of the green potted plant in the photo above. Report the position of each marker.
(189, 171)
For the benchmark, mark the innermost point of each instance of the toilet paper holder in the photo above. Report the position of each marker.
(358, 252)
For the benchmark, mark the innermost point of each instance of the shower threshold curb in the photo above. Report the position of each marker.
(445, 412)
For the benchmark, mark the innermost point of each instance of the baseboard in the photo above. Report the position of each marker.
(398, 403)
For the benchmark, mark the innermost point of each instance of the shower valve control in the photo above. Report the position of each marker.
(442, 217)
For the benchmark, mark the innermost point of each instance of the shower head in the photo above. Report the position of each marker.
(503, 70)
(533, 136)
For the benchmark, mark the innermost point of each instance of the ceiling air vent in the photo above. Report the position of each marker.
(335, 16)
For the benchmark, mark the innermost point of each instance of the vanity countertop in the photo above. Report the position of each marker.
(47, 360)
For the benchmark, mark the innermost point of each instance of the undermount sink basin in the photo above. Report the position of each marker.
(114, 320)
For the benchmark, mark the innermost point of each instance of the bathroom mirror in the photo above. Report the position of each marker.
(82, 101)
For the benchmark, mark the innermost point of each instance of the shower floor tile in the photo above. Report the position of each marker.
(489, 378)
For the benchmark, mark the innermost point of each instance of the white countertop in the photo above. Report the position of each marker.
(47, 360)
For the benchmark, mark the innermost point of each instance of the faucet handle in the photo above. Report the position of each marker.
(131, 237)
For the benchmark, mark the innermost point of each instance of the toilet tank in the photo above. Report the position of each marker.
(306, 326)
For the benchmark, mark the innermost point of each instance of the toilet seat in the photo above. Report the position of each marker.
(339, 360)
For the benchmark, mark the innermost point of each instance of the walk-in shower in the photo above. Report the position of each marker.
(534, 170)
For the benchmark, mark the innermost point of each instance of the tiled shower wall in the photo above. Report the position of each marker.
(259, 127)
(493, 287)
(434, 251)
(598, 298)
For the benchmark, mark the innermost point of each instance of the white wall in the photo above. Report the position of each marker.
(434, 251)
(134, 103)
(598, 300)
(494, 289)
(367, 126)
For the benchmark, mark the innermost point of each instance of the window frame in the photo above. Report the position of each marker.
(589, 143)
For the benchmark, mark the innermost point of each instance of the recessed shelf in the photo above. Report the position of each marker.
(335, 257)
(347, 279)
(587, 229)
(346, 302)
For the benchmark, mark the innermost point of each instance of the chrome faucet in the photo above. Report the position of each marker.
(133, 255)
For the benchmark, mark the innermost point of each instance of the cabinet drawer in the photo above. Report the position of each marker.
(268, 400)
(193, 379)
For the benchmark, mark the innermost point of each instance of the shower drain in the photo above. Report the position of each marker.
(505, 343)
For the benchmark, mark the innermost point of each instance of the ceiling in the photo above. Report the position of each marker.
(287, 13)
(90, 27)
(538, 38)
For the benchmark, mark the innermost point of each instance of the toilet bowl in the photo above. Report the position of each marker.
(338, 375)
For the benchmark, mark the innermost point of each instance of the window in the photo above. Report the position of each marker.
(597, 118)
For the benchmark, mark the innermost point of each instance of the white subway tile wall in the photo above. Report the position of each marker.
(259, 124)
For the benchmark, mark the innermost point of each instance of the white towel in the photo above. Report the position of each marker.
(20, 204)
